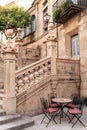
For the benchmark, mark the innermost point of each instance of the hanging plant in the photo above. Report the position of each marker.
(56, 14)
(65, 5)
(59, 12)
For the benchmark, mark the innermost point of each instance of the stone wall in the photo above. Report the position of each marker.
(65, 83)
(83, 52)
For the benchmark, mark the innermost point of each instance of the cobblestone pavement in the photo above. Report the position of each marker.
(65, 125)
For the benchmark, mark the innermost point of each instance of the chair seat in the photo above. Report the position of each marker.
(74, 111)
(70, 105)
(54, 105)
(50, 110)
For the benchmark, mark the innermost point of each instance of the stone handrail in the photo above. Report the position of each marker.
(31, 74)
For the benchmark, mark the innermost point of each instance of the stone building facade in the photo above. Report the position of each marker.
(69, 34)
(60, 51)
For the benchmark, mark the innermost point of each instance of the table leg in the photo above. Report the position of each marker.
(61, 112)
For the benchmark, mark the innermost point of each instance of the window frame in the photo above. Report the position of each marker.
(75, 45)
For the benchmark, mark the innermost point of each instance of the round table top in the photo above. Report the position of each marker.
(61, 100)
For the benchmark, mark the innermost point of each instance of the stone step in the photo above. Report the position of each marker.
(2, 112)
(18, 124)
(9, 118)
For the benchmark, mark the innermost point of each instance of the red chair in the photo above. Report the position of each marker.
(71, 105)
(49, 112)
(74, 103)
(76, 113)
(51, 103)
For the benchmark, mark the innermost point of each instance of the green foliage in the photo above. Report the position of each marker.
(13, 18)
(58, 12)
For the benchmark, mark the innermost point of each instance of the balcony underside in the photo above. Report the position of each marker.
(69, 13)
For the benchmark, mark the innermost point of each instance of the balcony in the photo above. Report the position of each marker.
(67, 9)
(28, 39)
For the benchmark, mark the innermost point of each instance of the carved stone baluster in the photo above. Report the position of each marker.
(36, 75)
(49, 68)
(20, 83)
(46, 69)
(16, 85)
(31, 78)
(41, 72)
(26, 80)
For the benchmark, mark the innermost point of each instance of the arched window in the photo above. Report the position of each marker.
(33, 24)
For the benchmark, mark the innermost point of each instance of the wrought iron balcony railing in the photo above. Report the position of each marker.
(70, 8)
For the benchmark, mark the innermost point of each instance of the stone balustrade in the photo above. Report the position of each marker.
(68, 69)
(29, 75)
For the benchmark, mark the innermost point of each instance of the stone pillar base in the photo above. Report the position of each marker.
(9, 105)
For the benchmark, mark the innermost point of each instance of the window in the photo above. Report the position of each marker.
(75, 46)
(74, 1)
(45, 2)
(30, 29)
(45, 25)
(33, 25)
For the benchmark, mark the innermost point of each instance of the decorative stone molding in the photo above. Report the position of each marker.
(51, 38)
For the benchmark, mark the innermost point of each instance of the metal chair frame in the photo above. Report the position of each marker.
(51, 103)
(77, 114)
(50, 113)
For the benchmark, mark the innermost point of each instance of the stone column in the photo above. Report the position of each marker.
(51, 45)
(83, 53)
(9, 99)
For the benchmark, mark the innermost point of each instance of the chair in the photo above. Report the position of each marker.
(76, 113)
(51, 103)
(74, 103)
(49, 112)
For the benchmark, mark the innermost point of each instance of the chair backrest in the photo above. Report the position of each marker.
(44, 103)
(80, 105)
(75, 99)
(51, 96)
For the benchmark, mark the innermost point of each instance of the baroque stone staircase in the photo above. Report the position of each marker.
(30, 81)
(27, 78)
(13, 122)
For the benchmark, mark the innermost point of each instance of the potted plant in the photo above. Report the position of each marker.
(59, 12)
(56, 14)
(13, 18)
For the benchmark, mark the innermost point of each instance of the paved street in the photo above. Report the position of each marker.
(65, 125)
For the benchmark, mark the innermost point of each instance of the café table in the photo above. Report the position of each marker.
(62, 102)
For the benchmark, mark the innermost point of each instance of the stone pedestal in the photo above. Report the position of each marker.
(9, 52)
(9, 99)
(52, 51)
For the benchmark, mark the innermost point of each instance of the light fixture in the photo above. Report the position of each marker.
(46, 17)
